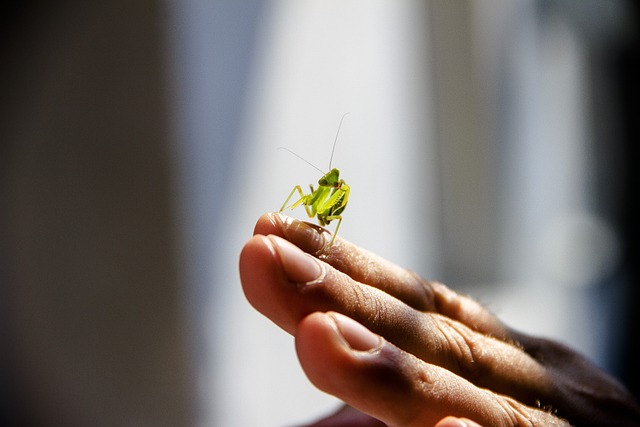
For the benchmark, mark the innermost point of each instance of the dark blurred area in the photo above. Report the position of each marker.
(625, 63)
(91, 329)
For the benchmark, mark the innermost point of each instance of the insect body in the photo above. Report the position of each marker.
(328, 201)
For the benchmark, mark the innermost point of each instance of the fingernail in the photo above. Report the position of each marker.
(357, 336)
(298, 266)
(307, 236)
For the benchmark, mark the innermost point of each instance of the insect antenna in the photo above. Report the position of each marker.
(303, 159)
(335, 141)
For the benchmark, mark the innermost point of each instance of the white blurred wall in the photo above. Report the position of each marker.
(314, 61)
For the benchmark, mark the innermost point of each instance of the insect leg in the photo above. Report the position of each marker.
(284, 205)
(335, 232)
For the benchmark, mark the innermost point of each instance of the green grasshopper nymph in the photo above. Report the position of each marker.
(329, 200)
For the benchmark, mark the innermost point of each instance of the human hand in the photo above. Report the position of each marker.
(410, 352)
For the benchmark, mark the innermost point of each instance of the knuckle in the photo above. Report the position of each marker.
(462, 345)
(516, 414)
(425, 295)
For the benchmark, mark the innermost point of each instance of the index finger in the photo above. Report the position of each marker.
(373, 270)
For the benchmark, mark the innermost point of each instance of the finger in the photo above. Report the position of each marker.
(286, 284)
(366, 267)
(348, 417)
(270, 280)
(457, 422)
(358, 263)
(343, 358)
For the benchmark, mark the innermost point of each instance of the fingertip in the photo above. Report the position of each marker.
(356, 335)
(309, 237)
(342, 359)
(317, 344)
(265, 285)
(317, 333)
(255, 251)
(456, 422)
(298, 266)
(334, 333)
(269, 223)
(256, 265)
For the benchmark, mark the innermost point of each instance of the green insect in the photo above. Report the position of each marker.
(329, 200)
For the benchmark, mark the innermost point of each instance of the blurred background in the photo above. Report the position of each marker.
(490, 145)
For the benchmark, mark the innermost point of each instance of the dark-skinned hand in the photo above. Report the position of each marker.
(403, 351)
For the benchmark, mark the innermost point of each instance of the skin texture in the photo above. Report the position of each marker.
(403, 351)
